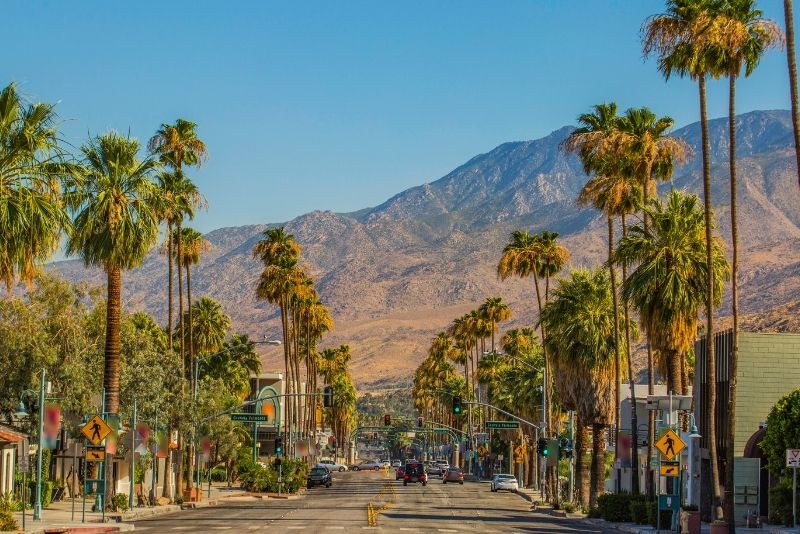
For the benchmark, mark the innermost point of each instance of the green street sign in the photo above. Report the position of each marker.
(249, 417)
(440, 431)
(502, 424)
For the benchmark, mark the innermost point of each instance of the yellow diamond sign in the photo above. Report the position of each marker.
(670, 444)
(96, 430)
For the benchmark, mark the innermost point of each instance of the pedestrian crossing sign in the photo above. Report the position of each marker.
(670, 444)
(96, 430)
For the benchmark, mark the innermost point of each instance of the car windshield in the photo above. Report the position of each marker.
(319, 471)
(454, 470)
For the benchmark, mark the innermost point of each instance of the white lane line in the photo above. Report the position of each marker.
(180, 528)
(222, 528)
(254, 527)
(446, 530)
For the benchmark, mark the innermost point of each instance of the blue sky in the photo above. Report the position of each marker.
(340, 105)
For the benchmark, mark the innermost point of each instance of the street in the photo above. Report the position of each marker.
(372, 501)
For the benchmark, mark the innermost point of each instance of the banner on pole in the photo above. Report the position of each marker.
(142, 437)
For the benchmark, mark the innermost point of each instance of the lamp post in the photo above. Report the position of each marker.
(693, 435)
(23, 412)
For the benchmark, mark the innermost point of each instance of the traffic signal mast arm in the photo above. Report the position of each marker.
(520, 419)
(255, 401)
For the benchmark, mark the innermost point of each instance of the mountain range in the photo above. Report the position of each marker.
(395, 274)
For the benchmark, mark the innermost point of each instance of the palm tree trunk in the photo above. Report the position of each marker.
(112, 349)
(598, 463)
(581, 465)
(792, 61)
(179, 268)
(169, 283)
(651, 422)
(192, 381)
(710, 355)
(617, 358)
(631, 379)
(731, 432)
(285, 335)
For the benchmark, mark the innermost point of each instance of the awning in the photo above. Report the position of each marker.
(10, 437)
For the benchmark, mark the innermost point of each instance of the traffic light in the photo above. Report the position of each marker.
(327, 397)
(278, 445)
(542, 447)
(419, 422)
(565, 448)
(387, 420)
(457, 405)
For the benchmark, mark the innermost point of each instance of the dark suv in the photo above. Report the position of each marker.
(319, 476)
(415, 473)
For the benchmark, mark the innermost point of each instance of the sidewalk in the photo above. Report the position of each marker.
(646, 529)
(59, 516)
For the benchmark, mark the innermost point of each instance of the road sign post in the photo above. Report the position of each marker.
(793, 461)
(249, 417)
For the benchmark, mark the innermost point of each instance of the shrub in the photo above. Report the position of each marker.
(7, 521)
(119, 503)
(260, 479)
(780, 504)
(47, 492)
(666, 516)
(639, 512)
(179, 499)
(569, 507)
(594, 513)
(218, 474)
(616, 507)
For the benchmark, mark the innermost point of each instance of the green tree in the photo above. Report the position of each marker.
(33, 172)
(783, 432)
(116, 225)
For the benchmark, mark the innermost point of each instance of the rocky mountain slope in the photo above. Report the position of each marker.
(397, 273)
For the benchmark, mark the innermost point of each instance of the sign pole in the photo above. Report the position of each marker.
(794, 497)
(74, 476)
(133, 458)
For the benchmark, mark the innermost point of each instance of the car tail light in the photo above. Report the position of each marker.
(406, 477)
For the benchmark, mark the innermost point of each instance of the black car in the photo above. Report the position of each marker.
(415, 473)
(319, 476)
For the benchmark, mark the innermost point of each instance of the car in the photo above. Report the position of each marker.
(396, 463)
(332, 466)
(504, 482)
(453, 474)
(415, 473)
(443, 464)
(370, 465)
(398, 475)
(434, 470)
(320, 476)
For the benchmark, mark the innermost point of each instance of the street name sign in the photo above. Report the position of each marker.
(502, 424)
(249, 417)
(670, 469)
(96, 430)
(793, 458)
(670, 444)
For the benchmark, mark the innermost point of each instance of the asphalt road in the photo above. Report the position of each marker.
(369, 501)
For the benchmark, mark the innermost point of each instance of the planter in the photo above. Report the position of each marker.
(192, 495)
(719, 528)
(690, 522)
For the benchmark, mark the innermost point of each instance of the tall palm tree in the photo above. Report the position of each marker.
(613, 193)
(750, 37)
(791, 58)
(194, 244)
(494, 310)
(115, 226)
(33, 172)
(686, 39)
(210, 325)
(580, 321)
(178, 145)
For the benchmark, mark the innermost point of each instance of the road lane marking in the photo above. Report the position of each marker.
(221, 528)
(334, 528)
(295, 527)
(181, 528)
(446, 530)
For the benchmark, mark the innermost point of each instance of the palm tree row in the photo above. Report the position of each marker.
(304, 319)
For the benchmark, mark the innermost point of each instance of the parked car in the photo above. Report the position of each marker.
(398, 475)
(443, 464)
(453, 474)
(396, 463)
(320, 476)
(504, 482)
(331, 465)
(415, 473)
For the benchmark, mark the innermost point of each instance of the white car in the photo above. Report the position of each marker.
(397, 463)
(504, 482)
(443, 464)
(330, 465)
(371, 465)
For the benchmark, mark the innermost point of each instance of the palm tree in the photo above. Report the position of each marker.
(317, 319)
(614, 194)
(750, 37)
(687, 39)
(194, 244)
(788, 14)
(210, 326)
(178, 145)
(580, 322)
(116, 225)
(494, 310)
(668, 286)
(33, 171)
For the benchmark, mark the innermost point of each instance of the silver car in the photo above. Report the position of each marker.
(330, 465)
(504, 482)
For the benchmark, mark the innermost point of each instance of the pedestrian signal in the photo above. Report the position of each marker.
(387, 420)
(419, 422)
(327, 397)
